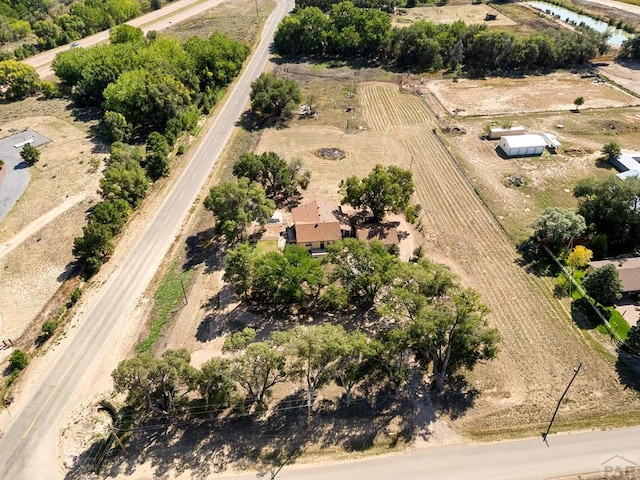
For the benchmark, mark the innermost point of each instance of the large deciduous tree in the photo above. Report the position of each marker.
(158, 384)
(604, 285)
(236, 205)
(383, 190)
(557, 225)
(124, 179)
(256, 366)
(611, 206)
(314, 352)
(239, 268)
(274, 98)
(215, 383)
(361, 268)
(280, 179)
(17, 80)
(290, 277)
(443, 324)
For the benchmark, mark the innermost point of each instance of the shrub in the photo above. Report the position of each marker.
(74, 296)
(49, 327)
(18, 360)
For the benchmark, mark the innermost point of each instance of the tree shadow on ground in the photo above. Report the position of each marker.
(258, 440)
(580, 318)
(533, 259)
(456, 398)
(628, 368)
(205, 248)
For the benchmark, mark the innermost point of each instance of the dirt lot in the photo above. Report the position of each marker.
(452, 13)
(494, 96)
(63, 177)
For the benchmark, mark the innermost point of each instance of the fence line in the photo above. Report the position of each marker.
(614, 335)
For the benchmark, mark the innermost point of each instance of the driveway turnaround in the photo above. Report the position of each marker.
(17, 175)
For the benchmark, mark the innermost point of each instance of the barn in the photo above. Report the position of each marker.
(523, 145)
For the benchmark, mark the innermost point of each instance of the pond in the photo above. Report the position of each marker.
(617, 36)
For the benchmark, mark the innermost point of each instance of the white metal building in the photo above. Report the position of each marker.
(497, 132)
(523, 145)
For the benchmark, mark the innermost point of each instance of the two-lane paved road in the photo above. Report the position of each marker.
(27, 449)
(607, 451)
(175, 12)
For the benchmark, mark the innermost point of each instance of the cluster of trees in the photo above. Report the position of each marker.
(155, 87)
(55, 24)
(122, 188)
(432, 324)
(274, 98)
(349, 31)
(17, 80)
(325, 5)
(151, 82)
(383, 190)
(251, 197)
(630, 49)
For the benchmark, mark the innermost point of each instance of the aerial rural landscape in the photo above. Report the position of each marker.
(253, 239)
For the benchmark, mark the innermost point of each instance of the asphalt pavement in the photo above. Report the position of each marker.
(17, 175)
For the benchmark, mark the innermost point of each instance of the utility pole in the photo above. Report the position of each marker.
(575, 374)
(118, 441)
(184, 293)
(273, 474)
(257, 14)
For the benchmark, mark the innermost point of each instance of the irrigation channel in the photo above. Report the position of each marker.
(616, 35)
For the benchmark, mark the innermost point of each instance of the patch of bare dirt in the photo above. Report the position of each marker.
(497, 95)
(41, 226)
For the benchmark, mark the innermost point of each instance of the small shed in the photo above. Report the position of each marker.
(523, 145)
(552, 141)
(497, 132)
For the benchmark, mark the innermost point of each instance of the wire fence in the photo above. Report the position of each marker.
(612, 332)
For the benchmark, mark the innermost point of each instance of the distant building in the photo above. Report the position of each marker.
(386, 235)
(317, 224)
(628, 164)
(497, 132)
(628, 270)
(523, 145)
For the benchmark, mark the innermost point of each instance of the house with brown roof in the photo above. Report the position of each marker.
(317, 224)
(628, 270)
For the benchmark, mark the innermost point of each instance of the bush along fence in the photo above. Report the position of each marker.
(620, 343)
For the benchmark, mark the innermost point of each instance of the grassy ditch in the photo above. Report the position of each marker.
(169, 297)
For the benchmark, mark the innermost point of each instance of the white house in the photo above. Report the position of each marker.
(523, 145)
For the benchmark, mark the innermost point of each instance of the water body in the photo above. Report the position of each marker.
(17, 176)
(616, 37)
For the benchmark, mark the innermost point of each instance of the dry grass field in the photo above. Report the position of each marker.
(236, 19)
(541, 342)
(33, 270)
(452, 13)
(497, 95)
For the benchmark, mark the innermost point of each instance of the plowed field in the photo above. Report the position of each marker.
(541, 345)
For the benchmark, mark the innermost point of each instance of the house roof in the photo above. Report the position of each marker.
(528, 140)
(628, 270)
(386, 235)
(317, 222)
(628, 164)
